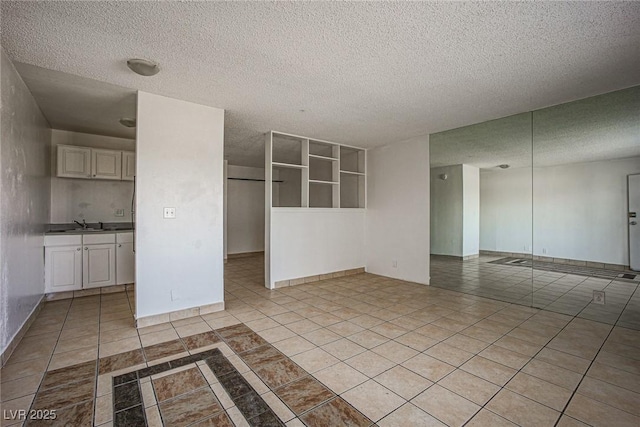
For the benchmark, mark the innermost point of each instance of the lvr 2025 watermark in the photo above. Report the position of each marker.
(33, 414)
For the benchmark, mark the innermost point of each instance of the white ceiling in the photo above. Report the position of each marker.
(366, 74)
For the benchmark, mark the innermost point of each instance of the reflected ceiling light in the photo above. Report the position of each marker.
(143, 67)
(128, 122)
(504, 166)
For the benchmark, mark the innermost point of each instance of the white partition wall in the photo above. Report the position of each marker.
(315, 199)
(179, 261)
(398, 210)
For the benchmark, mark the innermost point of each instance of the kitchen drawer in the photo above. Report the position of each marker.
(97, 239)
(68, 240)
(124, 237)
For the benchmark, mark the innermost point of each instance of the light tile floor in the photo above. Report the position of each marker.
(569, 294)
(400, 353)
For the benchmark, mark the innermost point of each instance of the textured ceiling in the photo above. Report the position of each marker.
(365, 74)
(80, 104)
(597, 128)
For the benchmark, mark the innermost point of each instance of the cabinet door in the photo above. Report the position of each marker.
(63, 268)
(128, 165)
(125, 264)
(74, 162)
(98, 265)
(106, 164)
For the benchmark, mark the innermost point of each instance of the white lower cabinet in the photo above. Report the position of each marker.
(125, 260)
(63, 267)
(75, 262)
(98, 266)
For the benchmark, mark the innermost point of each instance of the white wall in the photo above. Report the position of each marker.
(245, 204)
(580, 210)
(307, 242)
(397, 219)
(470, 210)
(505, 210)
(446, 210)
(179, 262)
(89, 199)
(455, 210)
(25, 192)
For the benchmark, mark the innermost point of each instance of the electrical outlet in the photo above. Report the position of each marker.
(394, 264)
(598, 297)
(119, 212)
(544, 250)
(169, 213)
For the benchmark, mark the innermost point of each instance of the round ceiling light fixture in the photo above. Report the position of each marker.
(143, 67)
(505, 166)
(128, 122)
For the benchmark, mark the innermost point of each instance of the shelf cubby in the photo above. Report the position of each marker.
(314, 173)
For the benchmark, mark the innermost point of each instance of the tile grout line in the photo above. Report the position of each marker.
(589, 367)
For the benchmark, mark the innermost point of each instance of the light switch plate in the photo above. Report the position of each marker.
(169, 213)
(119, 212)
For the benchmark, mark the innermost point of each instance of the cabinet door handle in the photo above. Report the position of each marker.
(86, 248)
(120, 246)
(78, 249)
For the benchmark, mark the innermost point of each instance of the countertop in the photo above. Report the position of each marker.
(70, 228)
(94, 231)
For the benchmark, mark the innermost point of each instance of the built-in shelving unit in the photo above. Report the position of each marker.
(314, 173)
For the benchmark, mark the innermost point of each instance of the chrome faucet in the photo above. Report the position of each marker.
(83, 225)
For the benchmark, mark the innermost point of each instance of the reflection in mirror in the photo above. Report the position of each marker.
(585, 154)
(481, 221)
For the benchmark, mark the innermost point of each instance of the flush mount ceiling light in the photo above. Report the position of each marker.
(504, 166)
(143, 67)
(128, 122)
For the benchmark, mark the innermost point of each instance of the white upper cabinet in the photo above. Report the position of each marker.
(106, 164)
(128, 165)
(74, 162)
(94, 163)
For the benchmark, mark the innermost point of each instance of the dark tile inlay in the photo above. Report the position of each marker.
(155, 369)
(336, 412)
(200, 406)
(67, 375)
(219, 364)
(126, 395)
(169, 348)
(200, 340)
(185, 361)
(132, 417)
(251, 404)
(304, 394)
(125, 378)
(121, 361)
(78, 415)
(235, 384)
(189, 408)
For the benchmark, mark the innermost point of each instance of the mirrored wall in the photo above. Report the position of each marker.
(538, 208)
